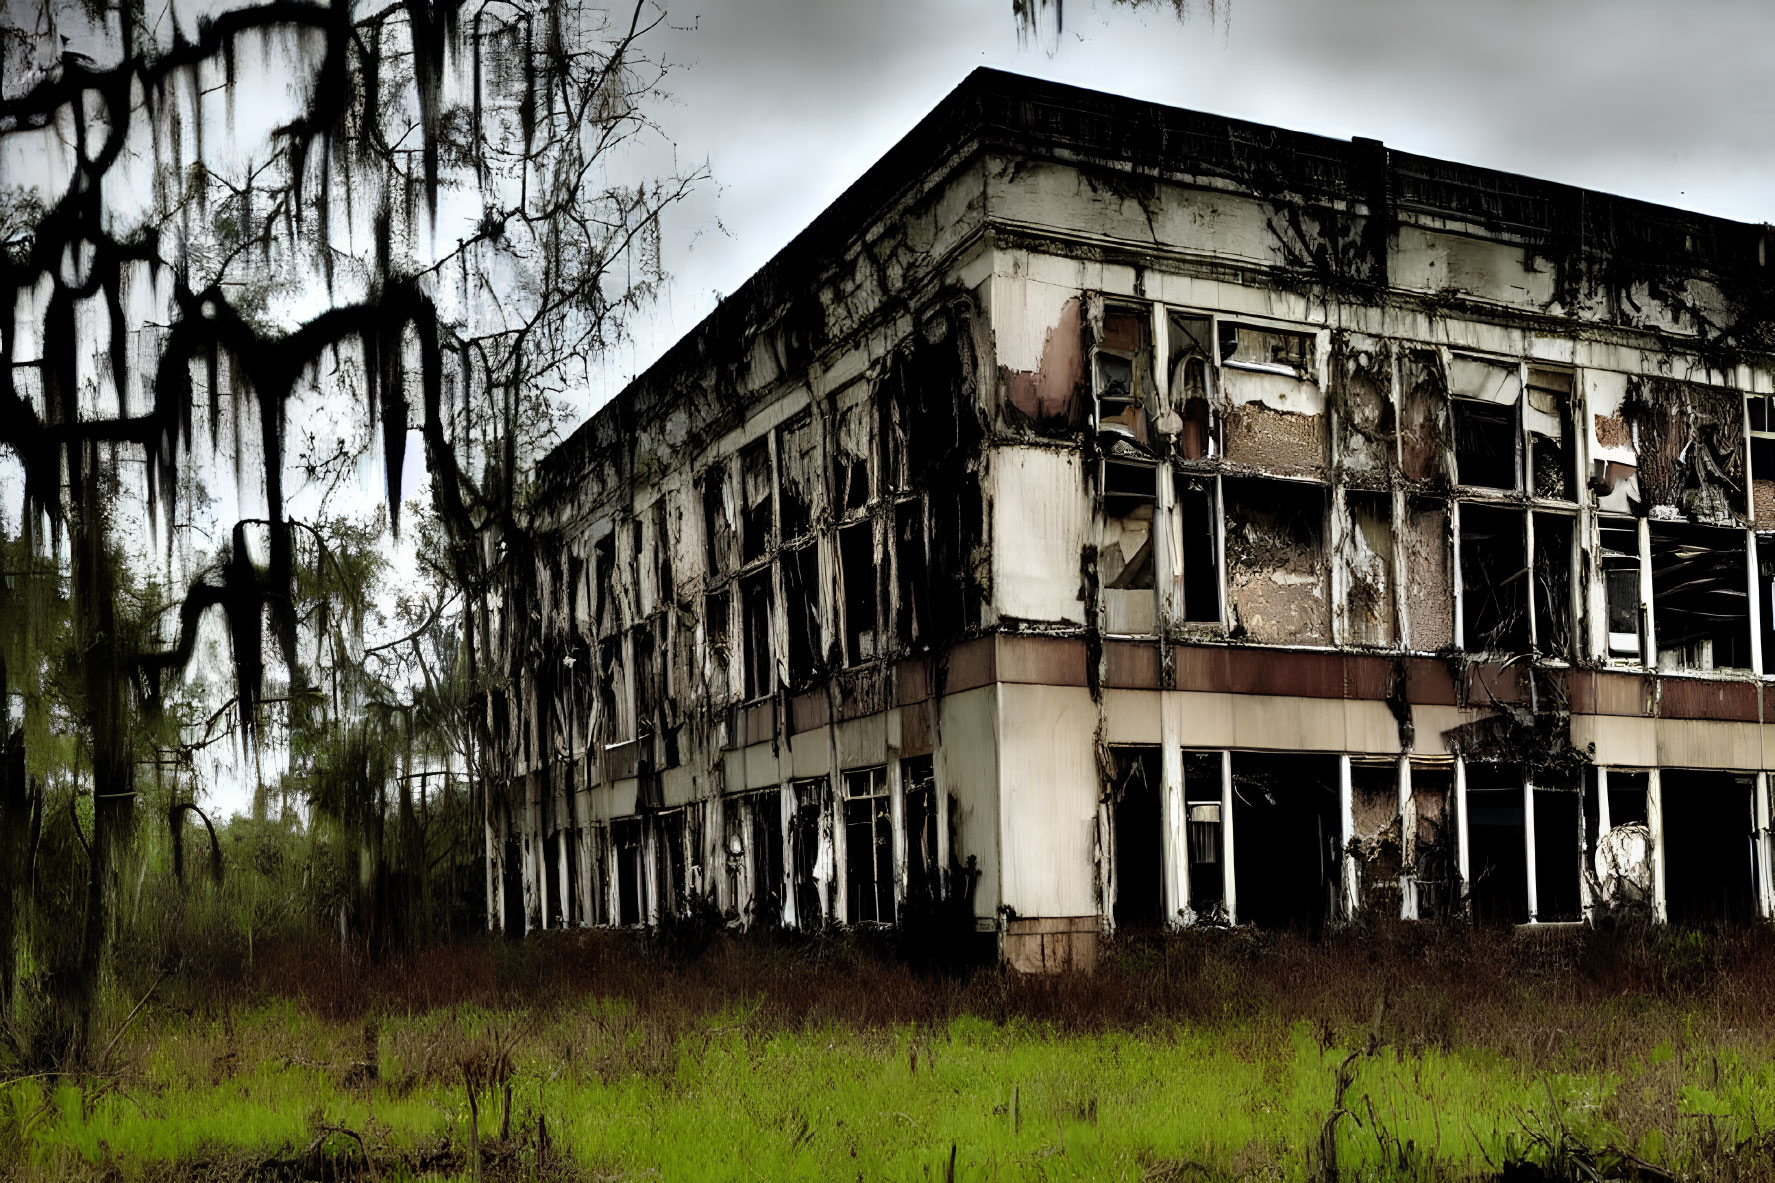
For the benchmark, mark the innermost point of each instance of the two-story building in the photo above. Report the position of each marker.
(1106, 514)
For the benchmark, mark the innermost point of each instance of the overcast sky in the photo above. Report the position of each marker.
(791, 100)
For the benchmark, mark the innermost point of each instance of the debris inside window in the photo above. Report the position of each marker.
(1376, 839)
(1619, 864)
(1620, 582)
(1431, 839)
(1125, 565)
(1361, 392)
(1274, 410)
(755, 598)
(1425, 435)
(1690, 444)
(1494, 580)
(1547, 417)
(717, 646)
(1429, 585)
(868, 848)
(856, 447)
(1192, 363)
(1368, 569)
(1275, 350)
(756, 515)
(1276, 561)
(798, 456)
(1761, 411)
(856, 556)
(1700, 597)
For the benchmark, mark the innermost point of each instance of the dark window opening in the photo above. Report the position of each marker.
(1765, 590)
(760, 676)
(1134, 798)
(1270, 349)
(1494, 580)
(511, 878)
(1709, 846)
(1558, 855)
(663, 584)
(912, 617)
(1374, 821)
(799, 458)
(718, 654)
(764, 820)
(611, 690)
(1192, 345)
(1201, 553)
(1700, 600)
(600, 886)
(1553, 584)
(604, 572)
(1369, 607)
(856, 557)
(756, 517)
(1207, 870)
(669, 863)
(804, 844)
(868, 848)
(720, 539)
(1286, 839)
(922, 881)
(1433, 858)
(801, 599)
(626, 834)
(575, 910)
(1762, 458)
(1128, 488)
(1620, 579)
(1548, 417)
(1497, 844)
(855, 447)
(1485, 444)
(647, 698)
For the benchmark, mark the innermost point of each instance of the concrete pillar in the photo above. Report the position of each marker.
(1346, 829)
(1655, 823)
(1462, 872)
(1230, 892)
(1528, 843)
(1408, 843)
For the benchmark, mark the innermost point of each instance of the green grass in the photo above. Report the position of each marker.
(1215, 1063)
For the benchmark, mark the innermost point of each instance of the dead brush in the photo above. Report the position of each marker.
(487, 1069)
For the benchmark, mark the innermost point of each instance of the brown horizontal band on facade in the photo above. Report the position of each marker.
(1702, 698)
(757, 722)
(620, 760)
(809, 711)
(916, 731)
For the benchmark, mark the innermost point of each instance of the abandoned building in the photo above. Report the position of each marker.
(1110, 515)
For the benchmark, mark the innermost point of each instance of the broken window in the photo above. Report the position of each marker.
(812, 860)
(1559, 854)
(1362, 396)
(663, 586)
(1272, 350)
(1761, 411)
(801, 601)
(598, 852)
(755, 596)
(1201, 795)
(1273, 409)
(1617, 839)
(1423, 415)
(856, 560)
(856, 447)
(1709, 838)
(1287, 840)
(717, 646)
(1429, 584)
(1376, 841)
(1276, 561)
(1554, 557)
(1690, 444)
(1494, 580)
(798, 455)
(1620, 583)
(1134, 801)
(1497, 844)
(1429, 832)
(1484, 406)
(1700, 600)
(1192, 367)
(1125, 566)
(604, 573)
(613, 696)
(1199, 517)
(756, 515)
(912, 621)
(1547, 419)
(721, 540)
(868, 847)
(552, 902)
(669, 862)
(1368, 569)
(920, 786)
(626, 834)
(1125, 383)
(763, 818)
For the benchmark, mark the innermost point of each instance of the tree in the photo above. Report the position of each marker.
(425, 233)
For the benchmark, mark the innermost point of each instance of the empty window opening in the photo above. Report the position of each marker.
(647, 689)
(801, 600)
(717, 645)
(721, 540)
(1487, 431)
(1192, 345)
(1134, 802)
(1547, 417)
(868, 848)
(626, 834)
(1497, 838)
(613, 698)
(1700, 597)
(798, 454)
(1273, 350)
(756, 515)
(1431, 851)
(862, 622)
(1428, 578)
(1286, 839)
(575, 909)
(809, 852)
(604, 574)
(599, 853)
(1368, 569)
(855, 448)
(1276, 561)
(1554, 557)
(1376, 838)
(1124, 383)
(664, 584)
(760, 677)
(1494, 580)
(918, 777)
(1765, 591)
(763, 819)
(670, 861)
(551, 880)
(1559, 854)
(912, 615)
(1125, 566)
(1620, 581)
(1709, 824)
(511, 880)
(1202, 803)
(1199, 518)
(1129, 488)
